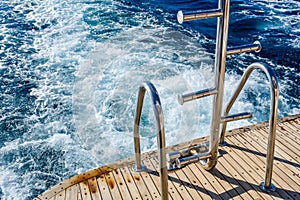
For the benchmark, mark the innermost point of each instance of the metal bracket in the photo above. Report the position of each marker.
(178, 159)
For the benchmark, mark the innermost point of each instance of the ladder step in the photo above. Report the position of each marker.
(196, 95)
(256, 46)
(235, 117)
(196, 15)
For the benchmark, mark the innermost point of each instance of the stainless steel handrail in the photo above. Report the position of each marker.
(274, 90)
(161, 142)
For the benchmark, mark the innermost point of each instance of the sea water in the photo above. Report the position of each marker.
(70, 72)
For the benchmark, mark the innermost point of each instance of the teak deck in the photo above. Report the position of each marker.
(240, 169)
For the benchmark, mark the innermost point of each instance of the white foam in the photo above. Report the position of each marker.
(105, 93)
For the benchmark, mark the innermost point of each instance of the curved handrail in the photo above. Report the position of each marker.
(149, 87)
(274, 90)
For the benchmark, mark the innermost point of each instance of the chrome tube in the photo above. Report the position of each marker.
(196, 15)
(136, 131)
(180, 162)
(235, 117)
(256, 46)
(220, 63)
(161, 141)
(274, 91)
(195, 95)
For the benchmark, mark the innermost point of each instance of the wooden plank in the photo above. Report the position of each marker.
(172, 190)
(61, 195)
(280, 177)
(94, 189)
(205, 182)
(85, 191)
(196, 183)
(257, 164)
(216, 182)
(187, 183)
(154, 176)
(245, 174)
(251, 170)
(256, 148)
(290, 127)
(235, 171)
(289, 131)
(113, 187)
(284, 148)
(235, 191)
(288, 144)
(76, 179)
(153, 190)
(283, 155)
(177, 183)
(140, 184)
(103, 187)
(295, 124)
(120, 182)
(294, 133)
(79, 196)
(128, 180)
(72, 192)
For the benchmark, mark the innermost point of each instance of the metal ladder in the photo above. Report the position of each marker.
(207, 154)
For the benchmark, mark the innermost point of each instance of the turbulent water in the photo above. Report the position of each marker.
(70, 72)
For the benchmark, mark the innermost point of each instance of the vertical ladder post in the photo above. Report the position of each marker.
(220, 63)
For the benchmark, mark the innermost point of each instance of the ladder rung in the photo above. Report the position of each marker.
(196, 15)
(235, 117)
(256, 46)
(196, 95)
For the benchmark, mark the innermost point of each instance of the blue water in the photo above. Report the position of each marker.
(70, 71)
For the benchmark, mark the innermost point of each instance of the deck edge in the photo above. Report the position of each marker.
(125, 162)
